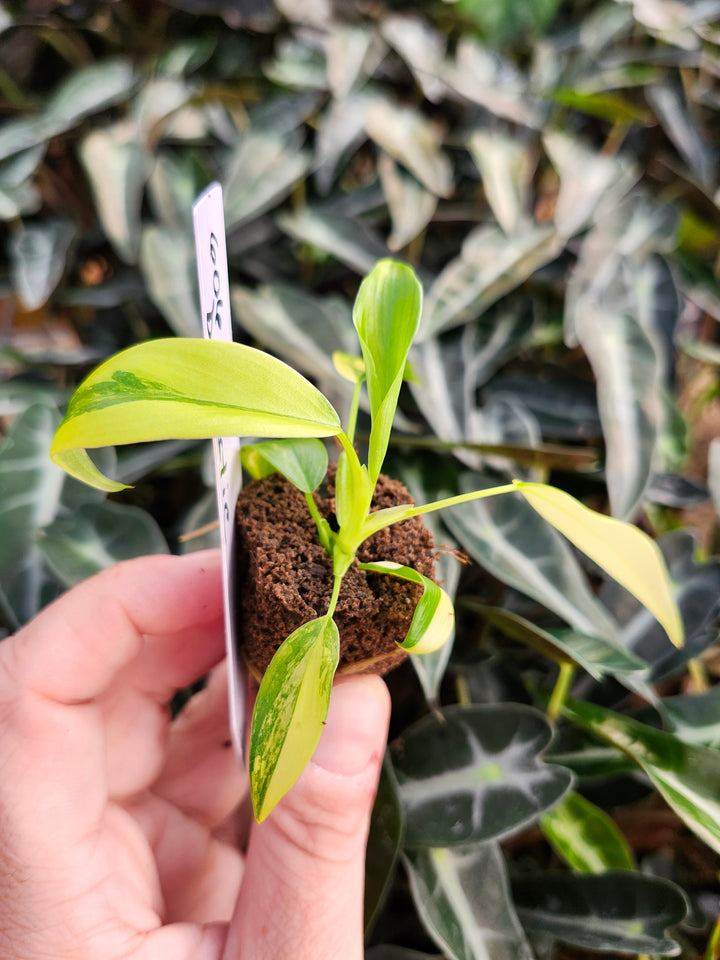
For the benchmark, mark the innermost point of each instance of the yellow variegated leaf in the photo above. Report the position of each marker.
(290, 710)
(628, 554)
(187, 388)
(434, 618)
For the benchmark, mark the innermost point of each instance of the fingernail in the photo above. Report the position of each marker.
(355, 728)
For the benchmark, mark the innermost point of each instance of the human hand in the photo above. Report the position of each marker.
(109, 813)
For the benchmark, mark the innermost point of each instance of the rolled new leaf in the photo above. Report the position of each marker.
(386, 316)
(434, 618)
(186, 388)
(290, 710)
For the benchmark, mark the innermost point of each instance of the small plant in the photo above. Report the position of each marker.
(189, 388)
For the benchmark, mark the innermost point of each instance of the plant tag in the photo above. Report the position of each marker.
(210, 249)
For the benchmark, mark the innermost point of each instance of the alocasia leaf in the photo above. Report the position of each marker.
(585, 836)
(687, 776)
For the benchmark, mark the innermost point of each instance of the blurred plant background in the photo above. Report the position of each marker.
(550, 169)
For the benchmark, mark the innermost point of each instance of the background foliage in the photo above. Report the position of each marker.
(550, 169)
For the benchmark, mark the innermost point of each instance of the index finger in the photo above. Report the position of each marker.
(72, 651)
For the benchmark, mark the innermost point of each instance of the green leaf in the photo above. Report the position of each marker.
(506, 164)
(411, 206)
(290, 711)
(30, 490)
(514, 543)
(96, 536)
(349, 367)
(117, 167)
(618, 912)
(189, 388)
(303, 461)
(353, 495)
(628, 554)
(302, 329)
(386, 316)
(387, 828)
(586, 837)
(169, 268)
(606, 106)
(260, 172)
(595, 654)
(624, 323)
(346, 238)
(464, 902)
(421, 483)
(695, 717)
(86, 91)
(33, 493)
(470, 774)
(37, 260)
(687, 776)
(696, 586)
(434, 619)
(415, 142)
(506, 21)
(490, 265)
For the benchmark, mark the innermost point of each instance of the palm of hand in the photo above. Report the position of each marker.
(111, 845)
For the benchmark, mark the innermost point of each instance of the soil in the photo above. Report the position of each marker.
(285, 575)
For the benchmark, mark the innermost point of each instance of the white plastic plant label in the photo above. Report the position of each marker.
(210, 249)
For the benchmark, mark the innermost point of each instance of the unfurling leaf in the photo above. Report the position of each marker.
(186, 388)
(386, 316)
(434, 618)
(290, 710)
(622, 550)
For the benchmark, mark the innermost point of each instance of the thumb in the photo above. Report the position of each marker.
(302, 891)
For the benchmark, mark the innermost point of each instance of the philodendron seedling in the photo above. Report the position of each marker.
(173, 388)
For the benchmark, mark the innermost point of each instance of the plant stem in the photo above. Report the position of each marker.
(560, 691)
(354, 406)
(698, 674)
(384, 518)
(337, 583)
(320, 523)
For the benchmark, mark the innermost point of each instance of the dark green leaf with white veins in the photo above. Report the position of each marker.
(303, 461)
(594, 654)
(464, 902)
(687, 776)
(385, 837)
(618, 912)
(475, 773)
(386, 315)
(96, 536)
(290, 710)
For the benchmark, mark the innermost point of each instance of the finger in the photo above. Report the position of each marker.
(302, 892)
(181, 941)
(202, 775)
(142, 616)
(199, 875)
(82, 647)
